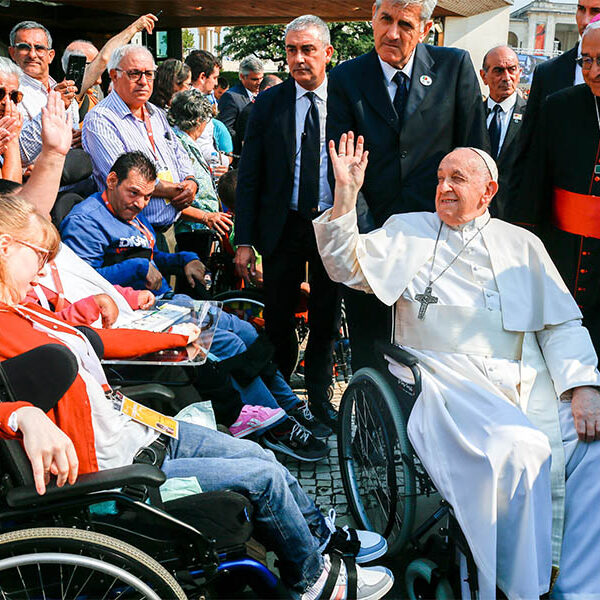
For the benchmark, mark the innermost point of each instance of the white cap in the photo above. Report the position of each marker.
(490, 163)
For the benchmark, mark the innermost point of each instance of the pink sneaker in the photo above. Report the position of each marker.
(255, 418)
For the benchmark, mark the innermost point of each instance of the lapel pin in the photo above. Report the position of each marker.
(426, 80)
(517, 117)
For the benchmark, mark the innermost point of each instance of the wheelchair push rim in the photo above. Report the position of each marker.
(376, 459)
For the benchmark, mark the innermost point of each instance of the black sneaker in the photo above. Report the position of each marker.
(303, 415)
(325, 413)
(297, 442)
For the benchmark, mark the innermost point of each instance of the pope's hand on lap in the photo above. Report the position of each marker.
(585, 406)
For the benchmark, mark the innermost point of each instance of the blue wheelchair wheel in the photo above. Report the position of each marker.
(376, 459)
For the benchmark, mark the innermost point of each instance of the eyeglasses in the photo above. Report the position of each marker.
(135, 75)
(42, 254)
(24, 47)
(16, 96)
(586, 62)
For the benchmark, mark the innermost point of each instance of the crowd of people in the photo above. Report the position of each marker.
(463, 229)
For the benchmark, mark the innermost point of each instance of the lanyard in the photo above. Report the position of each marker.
(146, 118)
(60, 303)
(135, 222)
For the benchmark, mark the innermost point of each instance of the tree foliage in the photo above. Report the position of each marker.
(349, 39)
(187, 41)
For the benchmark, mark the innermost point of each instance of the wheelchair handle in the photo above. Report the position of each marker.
(405, 358)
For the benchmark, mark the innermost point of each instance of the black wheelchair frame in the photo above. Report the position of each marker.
(383, 478)
(93, 539)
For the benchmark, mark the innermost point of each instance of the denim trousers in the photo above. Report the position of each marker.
(286, 520)
(233, 336)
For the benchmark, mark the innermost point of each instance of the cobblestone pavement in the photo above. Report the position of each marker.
(322, 480)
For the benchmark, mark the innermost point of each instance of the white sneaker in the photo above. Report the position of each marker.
(372, 545)
(372, 583)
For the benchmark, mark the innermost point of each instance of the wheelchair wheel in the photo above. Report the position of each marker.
(424, 581)
(376, 459)
(56, 562)
(249, 305)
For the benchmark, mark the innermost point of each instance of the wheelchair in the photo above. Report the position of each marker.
(384, 479)
(100, 538)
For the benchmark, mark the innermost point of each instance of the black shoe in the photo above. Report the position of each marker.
(297, 442)
(325, 413)
(303, 415)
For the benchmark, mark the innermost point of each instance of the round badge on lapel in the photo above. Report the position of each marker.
(426, 80)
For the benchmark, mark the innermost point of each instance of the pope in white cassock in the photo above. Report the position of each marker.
(508, 417)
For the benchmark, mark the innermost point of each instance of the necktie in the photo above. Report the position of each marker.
(308, 189)
(495, 129)
(400, 79)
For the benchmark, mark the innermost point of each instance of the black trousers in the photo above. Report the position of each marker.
(283, 272)
(369, 320)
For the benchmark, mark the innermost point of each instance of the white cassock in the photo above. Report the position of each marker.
(499, 348)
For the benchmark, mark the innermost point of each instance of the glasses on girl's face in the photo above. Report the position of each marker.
(16, 96)
(42, 253)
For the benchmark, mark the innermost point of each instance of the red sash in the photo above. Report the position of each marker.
(576, 213)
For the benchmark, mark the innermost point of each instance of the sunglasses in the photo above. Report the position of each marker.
(24, 47)
(16, 96)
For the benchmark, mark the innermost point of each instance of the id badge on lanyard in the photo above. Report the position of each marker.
(164, 173)
(144, 415)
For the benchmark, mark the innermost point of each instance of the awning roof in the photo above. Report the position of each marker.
(198, 13)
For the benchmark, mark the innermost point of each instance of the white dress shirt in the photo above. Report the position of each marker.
(389, 72)
(35, 97)
(507, 107)
(302, 106)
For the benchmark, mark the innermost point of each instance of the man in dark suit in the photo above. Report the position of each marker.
(550, 77)
(234, 100)
(504, 106)
(413, 104)
(282, 185)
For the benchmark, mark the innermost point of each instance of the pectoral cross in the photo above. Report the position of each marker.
(425, 300)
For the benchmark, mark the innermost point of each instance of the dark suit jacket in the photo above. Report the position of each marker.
(507, 160)
(401, 176)
(266, 170)
(548, 78)
(230, 106)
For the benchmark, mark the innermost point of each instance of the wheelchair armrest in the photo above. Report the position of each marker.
(138, 474)
(149, 391)
(398, 354)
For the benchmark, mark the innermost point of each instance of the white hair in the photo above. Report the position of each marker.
(64, 61)
(427, 6)
(251, 64)
(8, 67)
(306, 22)
(116, 58)
(591, 27)
(490, 163)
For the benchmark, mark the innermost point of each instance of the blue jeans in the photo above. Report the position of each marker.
(233, 336)
(286, 520)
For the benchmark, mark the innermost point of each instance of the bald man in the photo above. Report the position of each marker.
(499, 340)
(504, 108)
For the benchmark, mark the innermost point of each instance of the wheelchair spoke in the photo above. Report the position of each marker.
(41, 582)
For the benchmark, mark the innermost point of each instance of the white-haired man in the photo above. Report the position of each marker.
(509, 373)
(125, 121)
(90, 93)
(413, 103)
(234, 100)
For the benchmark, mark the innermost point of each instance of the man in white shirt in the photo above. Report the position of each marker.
(504, 107)
(282, 186)
(31, 48)
(509, 414)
